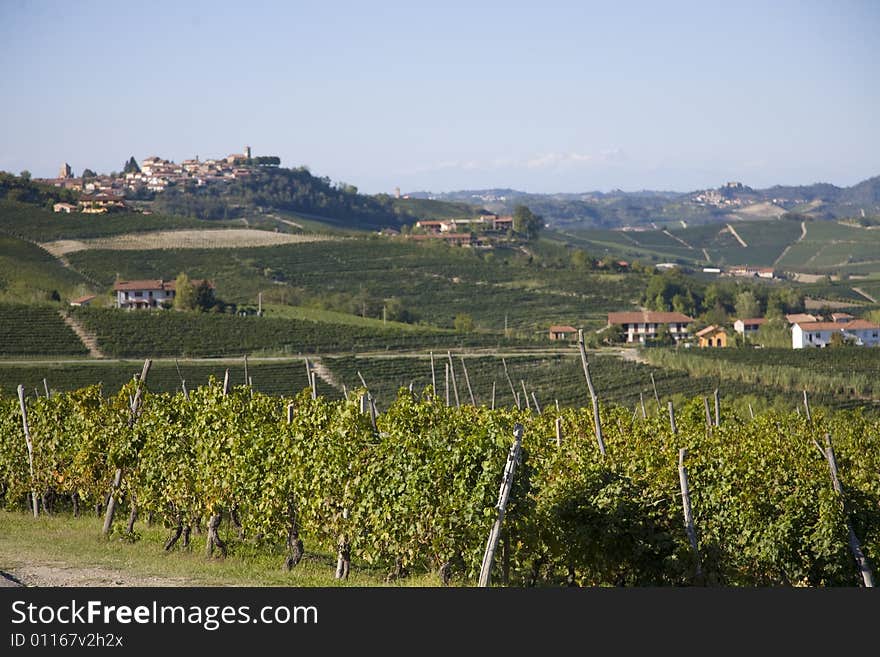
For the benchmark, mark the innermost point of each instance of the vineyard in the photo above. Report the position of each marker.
(35, 223)
(36, 330)
(553, 378)
(853, 371)
(28, 274)
(126, 335)
(413, 489)
(434, 283)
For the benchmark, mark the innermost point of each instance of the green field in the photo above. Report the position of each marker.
(29, 274)
(41, 225)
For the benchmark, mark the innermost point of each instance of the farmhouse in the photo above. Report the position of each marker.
(156, 293)
(818, 334)
(64, 207)
(841, 318)
(563, 332)
(101, 203)
(748, 326)
(645, 325)
(712, 336)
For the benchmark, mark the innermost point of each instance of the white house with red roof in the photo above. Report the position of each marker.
(646, 325)
(818, 334)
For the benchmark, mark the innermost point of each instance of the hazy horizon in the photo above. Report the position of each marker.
(556, 98)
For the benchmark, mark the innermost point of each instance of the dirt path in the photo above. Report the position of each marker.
(59, 574)
(865, 294)
(324, 374)
(89, 341)
(736, 235)
(677, 239)
(632, 355)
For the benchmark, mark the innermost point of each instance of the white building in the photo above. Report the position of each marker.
(646, 325)
(749, 326)
(818, 334)
(143, 294)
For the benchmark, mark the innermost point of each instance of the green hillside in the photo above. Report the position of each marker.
(827, 247)
(430, 283)
(36, 223)
(28, 274)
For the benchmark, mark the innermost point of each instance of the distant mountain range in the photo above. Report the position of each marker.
(731, 201)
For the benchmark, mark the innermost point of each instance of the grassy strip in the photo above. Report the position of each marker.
(72, 544)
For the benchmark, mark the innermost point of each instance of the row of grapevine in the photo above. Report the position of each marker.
(417, 491)
(135, 334)
(36, 330)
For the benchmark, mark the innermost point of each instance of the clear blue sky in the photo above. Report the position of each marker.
(541, 96)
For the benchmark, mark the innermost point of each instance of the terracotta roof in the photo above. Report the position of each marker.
(563, 329)
(753, 320)
(836, 326)
(84, 299)
(710, 329)
(154, 284)
(800, 318)
(836, 316)
(648, 317)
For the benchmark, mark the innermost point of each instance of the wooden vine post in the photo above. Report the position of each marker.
(510, 383)
(559, 432)
(452, 376)
(513, 459)
(672, 426)
(593, 398)
(535, 400)
(854, 545)
(135, 410)
(656, 396)
(467, 380)
(525, 395)
(708, 415)
(807, 407)
(688, 513)
(30, 449)
(717, 409)
(433, 376)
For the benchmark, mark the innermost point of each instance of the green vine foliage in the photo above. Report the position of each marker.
(418, 492)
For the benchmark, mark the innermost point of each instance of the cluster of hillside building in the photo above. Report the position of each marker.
(103, 193)
(462, 231)
(807, 330)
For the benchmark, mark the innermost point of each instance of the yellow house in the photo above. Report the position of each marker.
(712, 336)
